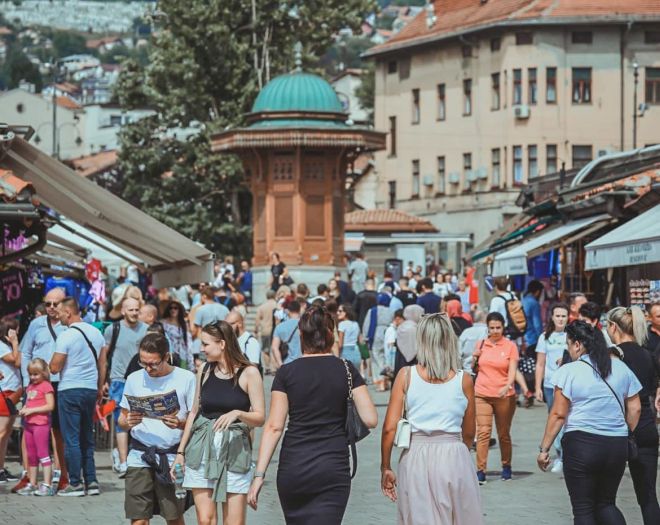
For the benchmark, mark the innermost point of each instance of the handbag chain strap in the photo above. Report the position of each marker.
(350, 380)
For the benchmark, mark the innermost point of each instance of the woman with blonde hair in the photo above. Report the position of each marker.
(627, 330)
(439, 404)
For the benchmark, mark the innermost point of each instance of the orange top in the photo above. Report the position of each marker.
(494, 366)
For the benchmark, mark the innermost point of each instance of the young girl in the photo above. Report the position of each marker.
(40, 402)
(550, 350)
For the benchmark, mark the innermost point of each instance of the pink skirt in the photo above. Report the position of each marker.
(437, 482)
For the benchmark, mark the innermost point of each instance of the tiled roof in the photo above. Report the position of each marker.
(13, 189)
(98, 42)
(639, 183)
(386, 221)
(67, 87)
(67, 103)
(93, 164)
(457, 16)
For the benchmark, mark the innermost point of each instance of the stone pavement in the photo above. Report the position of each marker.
(532, 496)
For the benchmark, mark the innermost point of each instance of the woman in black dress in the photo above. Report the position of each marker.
(313, 478)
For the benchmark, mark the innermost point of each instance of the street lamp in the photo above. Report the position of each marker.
(638, 111)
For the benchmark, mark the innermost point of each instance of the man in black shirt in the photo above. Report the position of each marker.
(365, 300)
(406, 295)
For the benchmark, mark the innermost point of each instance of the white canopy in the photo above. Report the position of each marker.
(635, 242)
(173, 258)
(514, 261)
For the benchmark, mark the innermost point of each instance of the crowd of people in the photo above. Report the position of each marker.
(453, 369)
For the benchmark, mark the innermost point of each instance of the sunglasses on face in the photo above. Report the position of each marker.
(151, 366)
(51, 304)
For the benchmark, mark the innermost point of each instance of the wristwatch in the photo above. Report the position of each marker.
(259, 474)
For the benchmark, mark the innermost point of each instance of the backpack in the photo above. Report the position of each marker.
(515, 315)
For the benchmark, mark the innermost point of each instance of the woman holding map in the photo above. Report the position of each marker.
(216, 449)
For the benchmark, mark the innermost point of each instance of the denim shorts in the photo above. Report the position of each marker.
(115, 393)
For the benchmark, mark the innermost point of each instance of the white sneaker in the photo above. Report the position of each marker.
(115, 460)
(557, 466)
(57, 474)
(123, 468)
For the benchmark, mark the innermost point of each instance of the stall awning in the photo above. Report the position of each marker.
(514, 261)
(635, 242)
(173, 258)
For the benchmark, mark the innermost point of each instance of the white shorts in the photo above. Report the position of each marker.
(236, 483)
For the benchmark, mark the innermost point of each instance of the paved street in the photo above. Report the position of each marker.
(532, 497)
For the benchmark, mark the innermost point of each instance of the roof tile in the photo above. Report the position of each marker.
(386, 220)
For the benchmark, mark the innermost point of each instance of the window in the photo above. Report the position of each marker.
(532, 86)
(115, 120)
(517, 165)
(392, 194)
(467, 51)
(551, 85)
(415, 179)
(404, 68)
(582, 155)
(517, 86)
(524, 38)
(415, 108)
(551, 158)
(392, 136)
(581, 85)
(442, 103)
(495, 89)
(20, 107)
(391, 67)
(495, 167)
(467, 168)
(532, 162)
(652, 37)
(467, 97)
(652, 85)
(441, 174)
(582, 37)
(495, 44)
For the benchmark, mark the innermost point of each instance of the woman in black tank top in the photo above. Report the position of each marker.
(230, 394)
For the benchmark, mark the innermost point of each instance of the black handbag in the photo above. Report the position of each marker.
(284, 345)
(356, 430)
(11, 407)
(633, 452)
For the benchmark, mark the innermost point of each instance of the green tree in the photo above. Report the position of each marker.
(367, 89)
(208, 60)
(67, 43)
(18, 67)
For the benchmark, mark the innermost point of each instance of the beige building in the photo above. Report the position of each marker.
(478, 97)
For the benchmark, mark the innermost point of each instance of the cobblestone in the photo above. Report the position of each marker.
(531, 497)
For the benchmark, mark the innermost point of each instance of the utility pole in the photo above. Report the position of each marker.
(636, 75)
(55, 153)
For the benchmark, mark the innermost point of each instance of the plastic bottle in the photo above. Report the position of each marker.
(179, 491)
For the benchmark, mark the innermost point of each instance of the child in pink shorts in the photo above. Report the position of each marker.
(40, 402)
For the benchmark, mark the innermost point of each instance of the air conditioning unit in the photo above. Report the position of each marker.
(471, 176)
(454, 177)
(521, 111)
(482, 173)
(428, 180)
(606, 151)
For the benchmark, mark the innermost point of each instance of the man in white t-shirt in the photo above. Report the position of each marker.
(500, 297)
(248, 343)
(209, 312)
(75, 358)
(154, 441)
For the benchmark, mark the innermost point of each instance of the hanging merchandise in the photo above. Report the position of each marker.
(640, 293)
(12, 284)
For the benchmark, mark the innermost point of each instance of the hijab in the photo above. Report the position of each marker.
(383, 300)
(407, 331)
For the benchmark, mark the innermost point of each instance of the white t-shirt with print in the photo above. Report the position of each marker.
(153, 432)
(80, 369)
(11, 380)
(553, 347)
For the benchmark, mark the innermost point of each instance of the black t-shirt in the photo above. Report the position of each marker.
(276, 270)
(407, 297)
(317, 389)
(640, 361)
(365, 301)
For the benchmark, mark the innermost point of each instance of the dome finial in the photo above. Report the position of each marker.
(297, 48)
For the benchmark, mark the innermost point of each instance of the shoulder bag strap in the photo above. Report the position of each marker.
(89, 343)
(405, 392)
(50, 329)
(608, 386)
(291, 336)
(349, 379)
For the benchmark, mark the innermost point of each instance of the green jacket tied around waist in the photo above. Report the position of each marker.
(235, 454)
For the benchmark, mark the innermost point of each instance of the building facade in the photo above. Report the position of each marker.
(478, 97)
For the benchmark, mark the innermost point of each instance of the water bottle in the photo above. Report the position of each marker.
(179, 491)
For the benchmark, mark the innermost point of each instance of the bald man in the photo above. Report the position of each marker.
(122, 340)
(148, 314)
(39, 341)
(246, 341)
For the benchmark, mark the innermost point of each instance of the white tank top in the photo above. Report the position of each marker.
(436, 406)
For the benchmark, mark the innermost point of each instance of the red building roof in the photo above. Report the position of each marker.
(93, 164)
(454, 17)
(386, 221)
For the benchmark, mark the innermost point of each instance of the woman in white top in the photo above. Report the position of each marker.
(436, 481)
(349, 334)
(10, 385)
(590, 396)
(550, 350)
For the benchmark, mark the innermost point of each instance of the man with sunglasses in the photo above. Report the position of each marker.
(40, 341)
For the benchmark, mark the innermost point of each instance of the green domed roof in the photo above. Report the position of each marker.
(298, 91)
